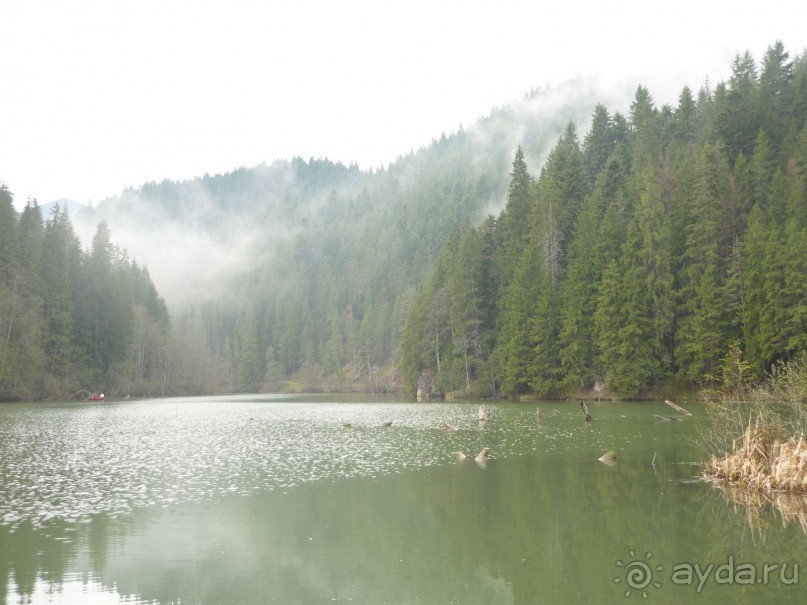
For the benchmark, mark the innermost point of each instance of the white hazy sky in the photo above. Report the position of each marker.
(99, 95)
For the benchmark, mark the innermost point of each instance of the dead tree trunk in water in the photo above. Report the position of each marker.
(586, 413)
(677, 407)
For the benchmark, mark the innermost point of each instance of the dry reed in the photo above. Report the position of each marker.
(761, 430)
(763, 462)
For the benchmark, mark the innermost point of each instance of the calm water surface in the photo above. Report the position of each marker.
(268, 499)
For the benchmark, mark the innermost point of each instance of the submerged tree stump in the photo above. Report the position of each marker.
(586, 413)
(607, 457)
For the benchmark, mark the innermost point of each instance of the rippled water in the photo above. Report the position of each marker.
(259, 499)
(74, 462)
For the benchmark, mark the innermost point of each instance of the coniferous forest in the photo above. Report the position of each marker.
(664, 248)
(73, 319)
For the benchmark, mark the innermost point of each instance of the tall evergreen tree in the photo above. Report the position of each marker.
(30, 233)
(776, 92)
(21, 326)
(466, 307)
(560, 194)
(702, 335)
(545, 372)
(8, 236)
(622, 329)
(739, 109)
(652, 226)
(61, 253)
(599, 142)
(249, 362)
(645, 129)
(578, 298)
(514, 221)
(686, 117)
(515, 346)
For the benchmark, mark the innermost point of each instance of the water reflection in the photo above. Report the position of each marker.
(265, 501)
(761, 508)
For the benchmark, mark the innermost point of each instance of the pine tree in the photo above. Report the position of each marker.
(249, 364)
(8, 237)
(755, 242)
(514, 343)
(545, 372)
(773, 316)
(104, 329)
(738, 107)
(30, 234)
(645, 130)
(795, 250)
(578, 298)
(413, 339)
(621, 329)
(560, 193)
(61, 251)
(599, 142)
(515, 218)
(22, 329)
(761, 171)
(652, 226)
(776, 92)
(686, 117)
(703, 325)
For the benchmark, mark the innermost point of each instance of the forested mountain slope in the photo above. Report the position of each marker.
(568, 241)
(298, 270)
(666, 248)
(303, 270)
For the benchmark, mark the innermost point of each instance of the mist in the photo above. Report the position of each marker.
(194, 246)
(200, 236)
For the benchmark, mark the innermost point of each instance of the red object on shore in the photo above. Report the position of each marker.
(96, 397)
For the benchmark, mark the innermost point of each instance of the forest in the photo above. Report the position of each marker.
(663, 250)
(71, 319)
(667, 250)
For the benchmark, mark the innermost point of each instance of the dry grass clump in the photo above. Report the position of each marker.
(763, 461)
(761, 431)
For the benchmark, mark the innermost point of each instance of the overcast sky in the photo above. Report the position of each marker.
(99, 95)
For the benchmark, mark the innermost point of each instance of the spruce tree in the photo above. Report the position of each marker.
(514, 341)
(545, 372)
(703, 321)
(60, 250)
(599, 142)
(515, 218)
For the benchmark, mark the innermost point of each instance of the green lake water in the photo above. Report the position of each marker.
(268, 499)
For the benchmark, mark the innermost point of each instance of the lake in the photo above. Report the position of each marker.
(273, 499)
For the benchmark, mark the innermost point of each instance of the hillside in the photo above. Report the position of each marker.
(307, 267)
(569, 242)
(662, 251)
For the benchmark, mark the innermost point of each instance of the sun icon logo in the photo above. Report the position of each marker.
(638, 574)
